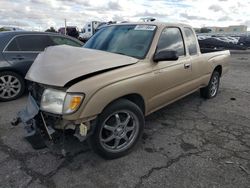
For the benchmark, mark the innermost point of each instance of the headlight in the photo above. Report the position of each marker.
(53, 100)
(60, 102)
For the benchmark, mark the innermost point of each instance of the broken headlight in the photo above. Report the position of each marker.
(60, 102)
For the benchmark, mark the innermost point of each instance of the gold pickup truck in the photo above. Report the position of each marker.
(123, 73)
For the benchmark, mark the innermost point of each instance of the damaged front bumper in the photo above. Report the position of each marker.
(42, 127)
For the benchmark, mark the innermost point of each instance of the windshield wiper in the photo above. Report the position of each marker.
(120, 53)
(125, 54)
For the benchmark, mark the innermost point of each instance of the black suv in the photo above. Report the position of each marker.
(18, 50)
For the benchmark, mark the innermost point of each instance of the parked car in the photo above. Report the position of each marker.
(123, 73)
(70, 31)
(215, 43)
(245, 41)
(233, 40)
(18, 50)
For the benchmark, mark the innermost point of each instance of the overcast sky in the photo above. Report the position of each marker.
(41, 14)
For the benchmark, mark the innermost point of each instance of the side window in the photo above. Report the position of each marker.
(33, 42)
(61, 40)
(171, 39)
(12, 46)
(191, 41)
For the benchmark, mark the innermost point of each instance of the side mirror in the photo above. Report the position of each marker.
(166, 55)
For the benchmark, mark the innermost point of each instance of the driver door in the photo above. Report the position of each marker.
(171, 78)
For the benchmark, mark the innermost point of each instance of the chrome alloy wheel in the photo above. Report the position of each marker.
(214, 86)
(10, 86)
(119, 131)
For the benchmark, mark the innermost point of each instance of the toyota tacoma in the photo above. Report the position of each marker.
(123, 73)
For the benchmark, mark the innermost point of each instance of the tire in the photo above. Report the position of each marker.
(118, 129)
(211, 90)
(12, 86)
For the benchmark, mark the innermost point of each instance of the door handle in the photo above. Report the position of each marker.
(187, 65)
(18, 57)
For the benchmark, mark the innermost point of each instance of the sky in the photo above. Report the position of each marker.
(42, 14)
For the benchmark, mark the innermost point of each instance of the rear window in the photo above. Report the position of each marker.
(57, 40)
(191, 41)
(31, 43)
(12, 46)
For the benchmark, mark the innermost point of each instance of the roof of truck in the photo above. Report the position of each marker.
(158, 24)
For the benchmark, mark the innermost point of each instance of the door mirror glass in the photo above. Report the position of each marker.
(166, 55)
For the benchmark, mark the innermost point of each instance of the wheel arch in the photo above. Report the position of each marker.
(218, 68)
(134, 98)
(97, 104)
(9, 69)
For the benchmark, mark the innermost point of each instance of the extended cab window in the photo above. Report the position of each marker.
(29, 43)
(191, 41)
(171, 39)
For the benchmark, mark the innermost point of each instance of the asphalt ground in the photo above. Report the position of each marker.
(191, 143)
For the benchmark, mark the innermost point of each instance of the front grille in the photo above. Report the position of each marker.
(36, 91)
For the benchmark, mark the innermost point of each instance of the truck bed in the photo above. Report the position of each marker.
(217, 57)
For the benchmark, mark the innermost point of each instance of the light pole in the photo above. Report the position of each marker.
(65, 26)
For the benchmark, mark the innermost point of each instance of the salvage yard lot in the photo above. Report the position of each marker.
(191, 143)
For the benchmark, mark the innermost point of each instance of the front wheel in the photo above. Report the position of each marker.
(12, 86)
(212, 89)
(118, 129)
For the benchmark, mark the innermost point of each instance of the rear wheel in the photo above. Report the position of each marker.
(118, 129)
(12, 86)
(212, 89)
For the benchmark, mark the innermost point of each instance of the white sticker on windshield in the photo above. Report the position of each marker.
(145, 27)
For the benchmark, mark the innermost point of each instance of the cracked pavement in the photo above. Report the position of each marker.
(191, 143)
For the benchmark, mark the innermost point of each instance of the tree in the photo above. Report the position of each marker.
(51, 29)
(3, 29)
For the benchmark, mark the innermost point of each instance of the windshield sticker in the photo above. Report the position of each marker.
(145, 27)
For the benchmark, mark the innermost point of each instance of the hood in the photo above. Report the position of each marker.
(58, 65)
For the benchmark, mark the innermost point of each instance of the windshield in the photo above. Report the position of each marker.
(130, 40)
